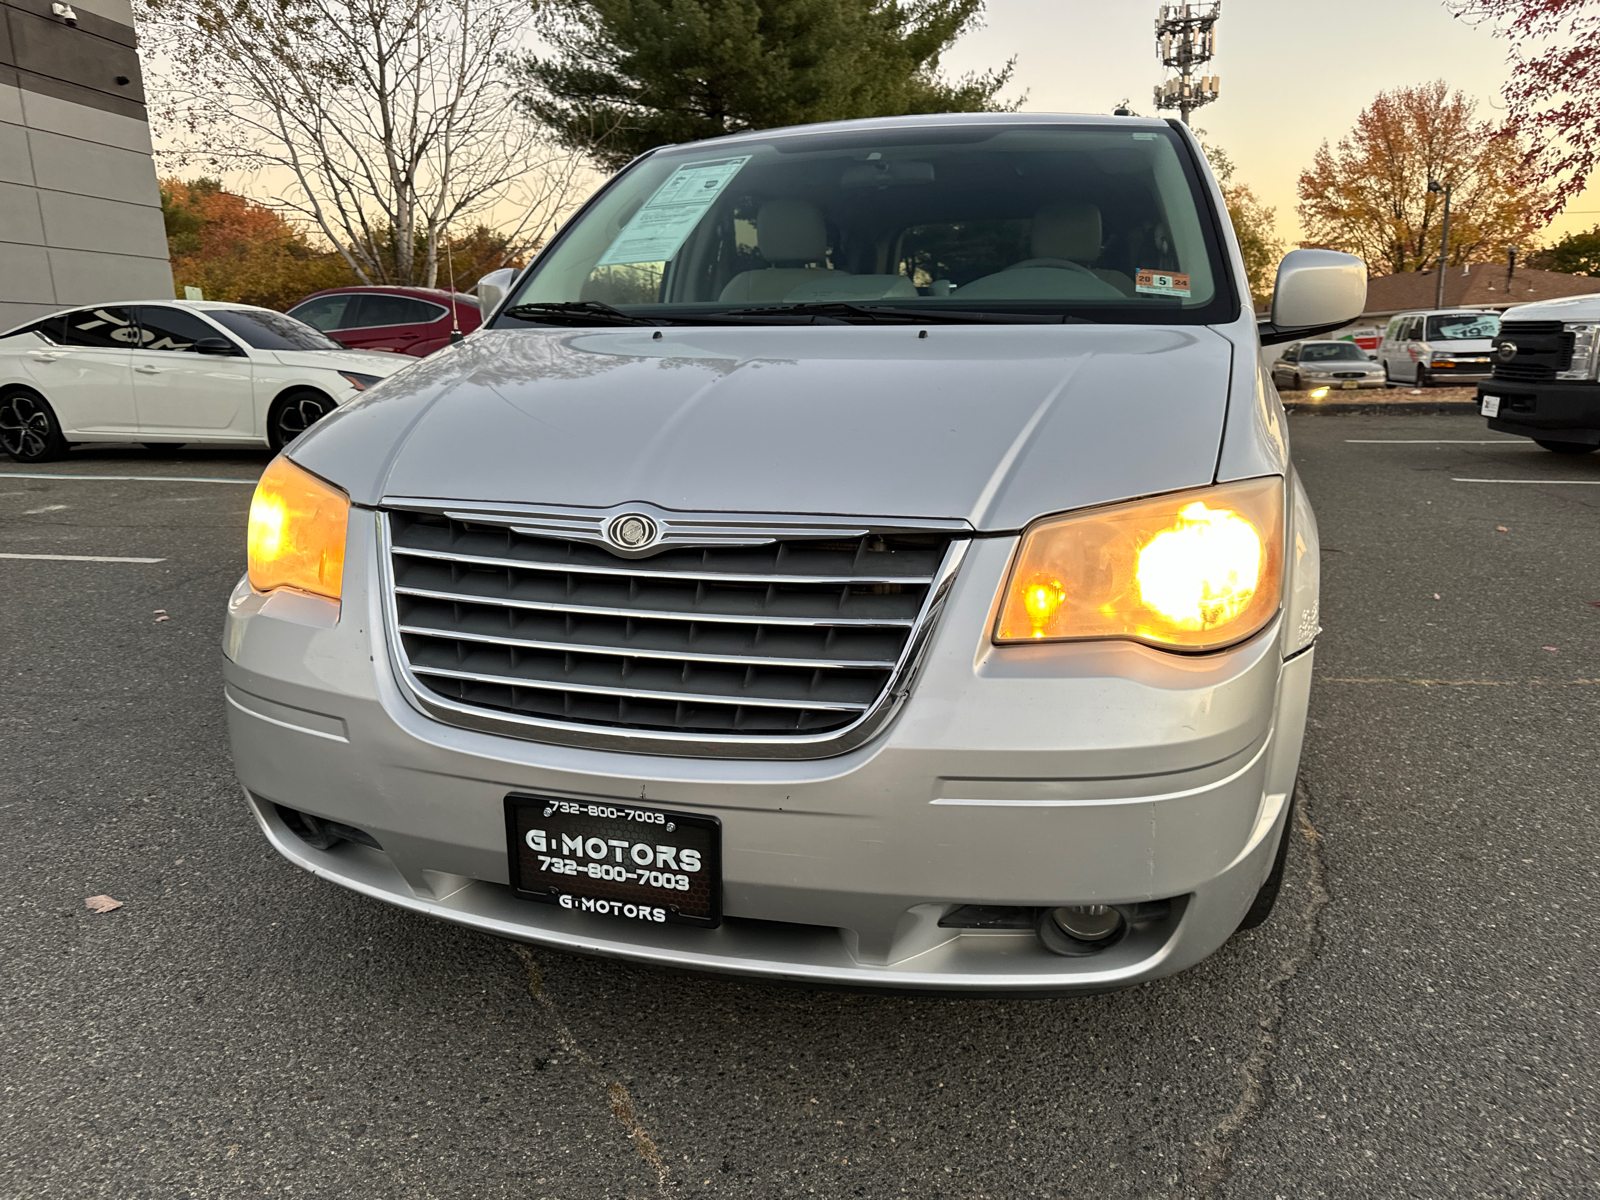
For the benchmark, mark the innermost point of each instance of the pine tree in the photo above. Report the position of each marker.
(629, 75)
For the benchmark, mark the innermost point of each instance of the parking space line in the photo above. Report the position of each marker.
(82, 558)
(1547, 482)
(1437, 442)
(133, 478)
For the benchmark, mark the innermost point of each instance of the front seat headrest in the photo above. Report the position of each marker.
(791, 231)
(1070, 230)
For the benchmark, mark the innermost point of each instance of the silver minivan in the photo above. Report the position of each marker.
(1439, 346)
(863, 554)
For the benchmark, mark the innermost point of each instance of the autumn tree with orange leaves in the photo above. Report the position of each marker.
(1369, 195)
(1553, 92)
(233, 248)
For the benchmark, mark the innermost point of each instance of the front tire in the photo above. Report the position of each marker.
(1566, 447)
(29, 431)
(293, 414)
(1423, 378)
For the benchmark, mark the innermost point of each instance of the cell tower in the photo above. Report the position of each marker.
(1186, 38)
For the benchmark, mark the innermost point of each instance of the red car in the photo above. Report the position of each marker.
(406, 320)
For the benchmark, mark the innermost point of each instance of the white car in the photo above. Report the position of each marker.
(170, 372)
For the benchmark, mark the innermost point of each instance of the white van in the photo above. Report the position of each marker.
(1439, 345)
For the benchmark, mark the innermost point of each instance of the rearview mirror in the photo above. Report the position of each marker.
(492, 288)
(1317, 291)
(215, 345)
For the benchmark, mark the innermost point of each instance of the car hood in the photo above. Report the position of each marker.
(1568, 308)
(367, 362)
(995, 425)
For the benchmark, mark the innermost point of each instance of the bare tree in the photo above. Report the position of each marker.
(393, 118)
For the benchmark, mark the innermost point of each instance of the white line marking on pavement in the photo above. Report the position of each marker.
(133, 478)
(1437, 442)
(82, 558)
(1551, 482)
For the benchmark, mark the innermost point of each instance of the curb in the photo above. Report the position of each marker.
(1378, 408)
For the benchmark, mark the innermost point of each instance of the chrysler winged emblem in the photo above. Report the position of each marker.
(631, 531)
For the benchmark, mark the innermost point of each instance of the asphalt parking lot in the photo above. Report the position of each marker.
(1417, 1019)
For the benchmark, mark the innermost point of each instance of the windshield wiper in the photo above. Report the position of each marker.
(876, 314)
(593, 312)
(576, 312)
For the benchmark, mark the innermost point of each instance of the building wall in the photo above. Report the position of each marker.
(80, 214)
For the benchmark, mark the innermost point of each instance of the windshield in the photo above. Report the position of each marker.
(988, 220)
(1461, 326)
(1332, 352)
(261, 329)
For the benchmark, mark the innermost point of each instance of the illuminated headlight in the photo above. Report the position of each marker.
(296, 533)
(1193, 570)
(1584, 344)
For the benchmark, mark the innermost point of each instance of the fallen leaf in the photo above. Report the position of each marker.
(1502, 529)
(159, 610)
(1436, 596)
(159, 619)
(1594, 604)
(1547, 647)
(102, 904)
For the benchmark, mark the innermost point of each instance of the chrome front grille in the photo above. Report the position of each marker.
(757, 637)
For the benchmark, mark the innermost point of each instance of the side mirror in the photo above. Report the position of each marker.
(215, 345)
(1317, 291)
(492, 288)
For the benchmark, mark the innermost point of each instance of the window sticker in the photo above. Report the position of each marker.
(657, 230)
(1159, 283)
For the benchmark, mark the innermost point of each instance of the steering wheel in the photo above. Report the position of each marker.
(1060, 264)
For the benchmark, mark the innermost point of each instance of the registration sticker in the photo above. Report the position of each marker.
(1161, 283)
(1491, 406)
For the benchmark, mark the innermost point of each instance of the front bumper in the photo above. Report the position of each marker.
(1556, 410)
(1036, 776)
(1338, 385)
(1462, 373)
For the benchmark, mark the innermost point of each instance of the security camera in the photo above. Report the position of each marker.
(64, 11)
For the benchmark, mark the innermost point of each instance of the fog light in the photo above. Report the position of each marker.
(1087, 922)
(1080, 929)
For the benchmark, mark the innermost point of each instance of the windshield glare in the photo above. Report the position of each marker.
(1332, 352)
(261, 329)
(1462, 327)
(1096, 221)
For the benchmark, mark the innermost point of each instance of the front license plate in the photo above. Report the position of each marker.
(1491, 406)
(616, 860)
(1350, 385)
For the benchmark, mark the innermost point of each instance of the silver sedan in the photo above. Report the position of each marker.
(1307, 365)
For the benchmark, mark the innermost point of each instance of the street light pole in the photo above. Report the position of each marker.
(1444, 240)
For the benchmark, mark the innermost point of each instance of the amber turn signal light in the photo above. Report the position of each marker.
(297, 528)
(1193, 570)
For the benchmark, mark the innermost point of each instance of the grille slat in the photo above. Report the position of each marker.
(635, 652)
(791, 637)
(660, 614)
(626, 571)
(632, 693)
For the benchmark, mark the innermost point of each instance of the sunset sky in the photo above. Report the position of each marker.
(1294, 72)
